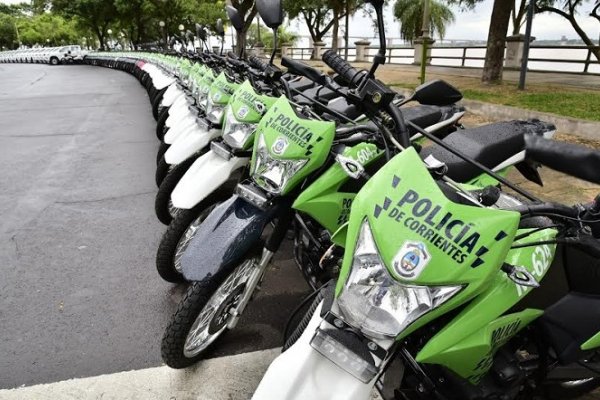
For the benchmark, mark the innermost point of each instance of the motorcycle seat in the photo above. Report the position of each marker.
(421, 115)
(490, 145)
(319, 93)
(301, 84)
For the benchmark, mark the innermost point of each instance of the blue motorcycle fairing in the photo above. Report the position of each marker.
(225, 236)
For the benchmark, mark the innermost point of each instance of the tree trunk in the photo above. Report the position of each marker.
(336, 30)
(240, 42)
(494, 57)
(585, 38)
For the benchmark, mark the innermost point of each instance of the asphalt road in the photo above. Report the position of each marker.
(79, 294)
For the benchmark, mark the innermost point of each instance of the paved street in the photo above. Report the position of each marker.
(79, 294)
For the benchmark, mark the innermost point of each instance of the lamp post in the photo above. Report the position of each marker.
(109, 32)
(162, 24)
(182, 36)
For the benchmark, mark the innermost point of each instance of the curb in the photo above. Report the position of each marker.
(226, 378)
(577, 127)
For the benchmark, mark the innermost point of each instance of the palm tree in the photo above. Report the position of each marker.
(410, 15)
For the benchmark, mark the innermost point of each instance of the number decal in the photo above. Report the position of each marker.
(540, 261)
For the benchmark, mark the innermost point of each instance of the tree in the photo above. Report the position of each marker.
(316, 13)
(38, 29)
(410, 15)
(8, 32)
(568, 9)
(266, 35)
(134, 17)
(247, 12)
(494, 56)
(96, 15)
(518, 14)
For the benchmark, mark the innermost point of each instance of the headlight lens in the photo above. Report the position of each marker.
(202, 97)
(270, 174)
(376, 303)
(236, 133)
(214, 112)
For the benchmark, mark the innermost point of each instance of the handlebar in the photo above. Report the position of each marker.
(304, 70)
(547, 208)
(347, 72)
(258, 63)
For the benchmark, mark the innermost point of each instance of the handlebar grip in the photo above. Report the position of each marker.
(347, 72)
(258, 63)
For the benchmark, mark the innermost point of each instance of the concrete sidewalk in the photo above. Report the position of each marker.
(391, 73)
(551, 78)
(231, 378)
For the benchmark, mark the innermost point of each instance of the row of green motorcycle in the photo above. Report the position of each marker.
(433, 276)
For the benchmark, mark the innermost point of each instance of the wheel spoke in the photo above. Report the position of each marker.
(199, 337)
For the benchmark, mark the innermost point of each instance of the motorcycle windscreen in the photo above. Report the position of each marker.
(232, 229)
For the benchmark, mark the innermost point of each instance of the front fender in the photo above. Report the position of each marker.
(193, 140)
(181, 127)
(171, 95)
(180, 107)
(224, 238)
(162, 81)
(207, 174)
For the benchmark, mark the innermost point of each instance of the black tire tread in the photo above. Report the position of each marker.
(194, 300)
(160, 124)
(161, 203)
(162, 149)
(162, 169)
(177, 227)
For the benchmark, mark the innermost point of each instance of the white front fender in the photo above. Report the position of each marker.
(183, 125)
(172, 93)
(174, 119)
(162, 81)
(180, 108)
(206, 175)
(190, 142)
(302, 373)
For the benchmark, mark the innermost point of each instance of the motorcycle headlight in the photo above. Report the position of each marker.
(202, 99)
(272, 174)
(214, 112)
(374, 302)
(236, 133)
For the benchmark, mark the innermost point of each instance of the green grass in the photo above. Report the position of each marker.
(568, 102)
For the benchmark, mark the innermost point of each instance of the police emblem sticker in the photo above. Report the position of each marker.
(243, 112)
(217, 96)
(411, 260)
(280, 145)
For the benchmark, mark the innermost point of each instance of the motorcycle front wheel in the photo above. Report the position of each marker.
(570, 390)
(202, 316)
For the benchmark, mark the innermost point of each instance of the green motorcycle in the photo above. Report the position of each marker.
(444, 294)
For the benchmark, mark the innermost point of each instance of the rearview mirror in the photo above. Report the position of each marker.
(437, 93)
(220, 28)
(235, 18)
(201, 32)
(271, 12)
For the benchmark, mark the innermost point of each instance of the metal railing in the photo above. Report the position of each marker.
(558, 58)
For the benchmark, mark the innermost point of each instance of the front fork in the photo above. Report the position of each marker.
(259, 268)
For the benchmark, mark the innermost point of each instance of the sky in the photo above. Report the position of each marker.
(469, 25)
